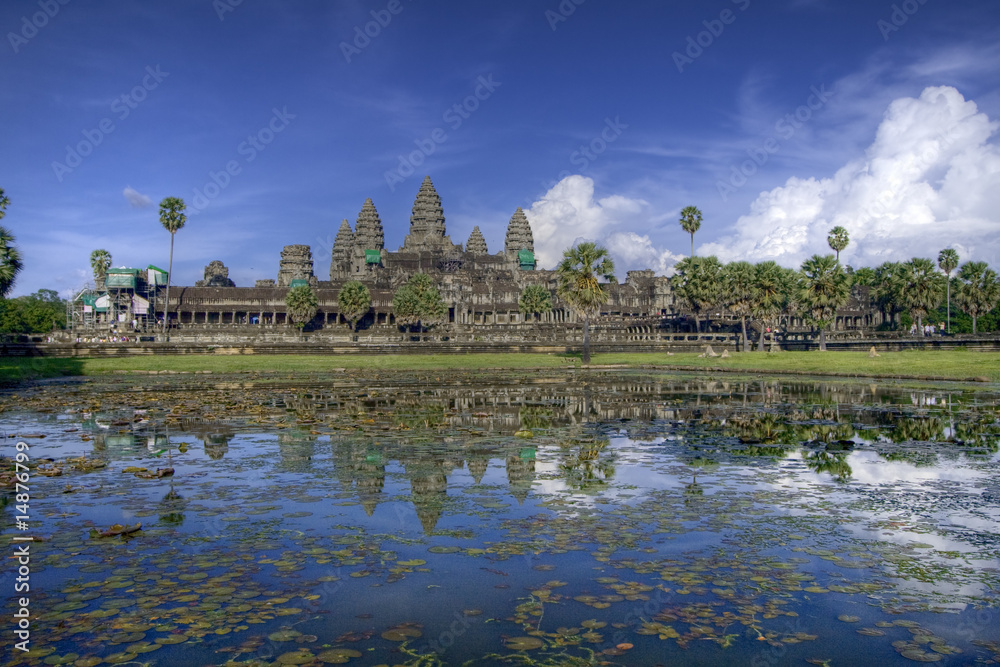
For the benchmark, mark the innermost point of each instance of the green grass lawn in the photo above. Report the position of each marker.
(952, 364)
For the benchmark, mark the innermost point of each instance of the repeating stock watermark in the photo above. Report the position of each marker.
(30, 25)
(696, 44)
(586, 154)
(562, 13)
(223, 7)
(22, 547)
(785, 128)
(122, 107)
(900, 14)
(248, 149)
(454, 117)
(364, 34)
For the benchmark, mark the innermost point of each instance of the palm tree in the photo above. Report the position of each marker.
(172, 218)
(698, 285)
(301, 305)
(578, 272)
(354, 301)
(773, 290)
(10, 257)
(888, 288)
(979, 290)
(690, 222)
(824, 288)
(535, 300)
(739, 280)
(948, 262)
(921, 288)
(419, 302)
(100, 261)
(838, 240)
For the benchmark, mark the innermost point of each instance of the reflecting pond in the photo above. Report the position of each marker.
(574, 518)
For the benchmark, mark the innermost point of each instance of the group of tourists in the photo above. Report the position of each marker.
(928, 329)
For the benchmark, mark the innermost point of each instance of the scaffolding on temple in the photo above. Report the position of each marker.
(125, 303)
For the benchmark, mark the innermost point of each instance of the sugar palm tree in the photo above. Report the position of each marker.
(771, 296)
(10, 257)
(691, 222)
(172, 217)
(888, 288)
(100, 261)
(354, 300)
(535, 300)
(418, 302)
(698, 284)
(838, 240)
(578, 275)
(948, 262)
(739, 280)
(978, 290)
(301, 305)
(824, 287)
(922, 287)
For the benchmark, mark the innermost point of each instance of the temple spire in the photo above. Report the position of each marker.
(343, 245)
(427, 231)
(476, 244)
(519, 236)
(368, 232)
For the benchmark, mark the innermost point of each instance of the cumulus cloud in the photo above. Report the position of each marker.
(569, 213)
(929, 180)
(136, 199)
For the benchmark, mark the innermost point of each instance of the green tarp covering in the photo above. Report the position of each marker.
(526, 259)
(373, 257)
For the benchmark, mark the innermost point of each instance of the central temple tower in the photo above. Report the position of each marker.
(427, 230)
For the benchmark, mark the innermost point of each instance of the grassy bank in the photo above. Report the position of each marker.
(950, 364)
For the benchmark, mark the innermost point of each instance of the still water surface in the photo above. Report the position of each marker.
(562, 519)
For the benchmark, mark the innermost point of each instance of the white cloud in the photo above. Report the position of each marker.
(136, 199)
(930, 180)
(569, 213)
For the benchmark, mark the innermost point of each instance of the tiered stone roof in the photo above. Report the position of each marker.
(296, 264)
(343, 246)
(368, 233)
(519, 235)
(427, 231)
(476, 244)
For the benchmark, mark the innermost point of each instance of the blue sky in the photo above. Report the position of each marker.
(275, 120)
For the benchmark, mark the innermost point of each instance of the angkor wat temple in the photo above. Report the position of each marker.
(480, 289)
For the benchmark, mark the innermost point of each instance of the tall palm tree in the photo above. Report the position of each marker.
(172, 218)
(10, 257)
(772, 295)
(948, 262)
(978, 291)
(921, 288)
(739, 280)
(691, 222)
(698, 284)
(838, 240)
(888, 288)
(10, 262)
(824, 288)
(578, 274)
(100, 261)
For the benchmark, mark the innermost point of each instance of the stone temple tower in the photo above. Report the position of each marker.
(476, 244)
(427, 230)
(343, 249)
(519, 236)
(369, 239)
